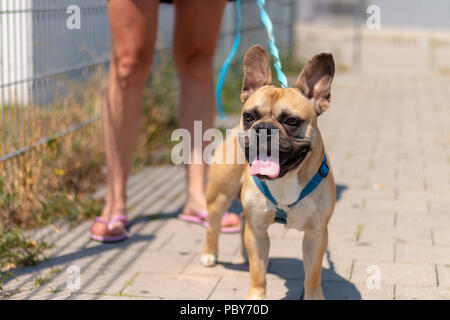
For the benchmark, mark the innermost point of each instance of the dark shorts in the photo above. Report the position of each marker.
(171, 1)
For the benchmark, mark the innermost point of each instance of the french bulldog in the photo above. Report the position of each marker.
(270, 186)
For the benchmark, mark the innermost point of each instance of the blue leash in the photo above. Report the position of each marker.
(273, 50)
(226, 64)
(273, 47)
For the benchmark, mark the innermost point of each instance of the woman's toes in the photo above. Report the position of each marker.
(231, 220)
(117, 228)
(99, 229)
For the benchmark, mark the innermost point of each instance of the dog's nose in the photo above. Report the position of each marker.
(264, 127)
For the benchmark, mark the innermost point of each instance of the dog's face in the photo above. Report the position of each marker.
(287, 115)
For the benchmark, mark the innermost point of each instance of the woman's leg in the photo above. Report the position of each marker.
(133, 30)
(197, 28)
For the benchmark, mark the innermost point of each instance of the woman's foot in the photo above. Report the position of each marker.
(196, 208)
(110, 230)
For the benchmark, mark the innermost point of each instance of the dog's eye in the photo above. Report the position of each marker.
(292, 122)
(248, 117)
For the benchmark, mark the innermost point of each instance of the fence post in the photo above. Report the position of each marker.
(357, 30)
(292, 18)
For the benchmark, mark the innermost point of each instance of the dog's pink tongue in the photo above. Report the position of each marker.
(268, 168)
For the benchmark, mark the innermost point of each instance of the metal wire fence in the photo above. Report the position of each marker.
(403, 36)
(52, 76)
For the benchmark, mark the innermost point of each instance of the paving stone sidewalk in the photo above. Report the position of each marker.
(389, 143)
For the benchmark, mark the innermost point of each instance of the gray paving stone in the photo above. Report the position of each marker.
(236, 289)
(416, 235)
(292, 268)
(342, 233)
(84, 296)
(397, 273)
(41, 296)
(409, 219)
(178, 226)
(439, 204)
(441, 236)
(384, 292)
(228, 243)
(172, 286)
(412, 200)
(277, 231)
(376, 252)
(165, 262)
(421, 293)
(370, 234)
(355, 291)
(291, 248)
(422, 254)
(368, 217)
(438, 220)
(444, 275)
(293, 234)
(227, 266)
(99, 281)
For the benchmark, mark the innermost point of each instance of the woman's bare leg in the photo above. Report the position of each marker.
(197, 29)
(133, 29)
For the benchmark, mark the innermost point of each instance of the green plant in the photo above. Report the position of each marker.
(41, 280)
(16, 250)
(55, 180)
(64, 206)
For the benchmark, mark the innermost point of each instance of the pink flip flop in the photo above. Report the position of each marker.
(109, 225)
(201, 219)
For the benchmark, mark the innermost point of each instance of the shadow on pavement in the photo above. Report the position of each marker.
(340, 188)
(292, 271)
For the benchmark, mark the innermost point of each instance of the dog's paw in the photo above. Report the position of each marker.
(208, 259)
(256, 295)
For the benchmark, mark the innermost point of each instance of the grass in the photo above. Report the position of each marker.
(41, 280)
(54, 181)
(67, 165)
(62, 206)
(16, 250)
(359, 230)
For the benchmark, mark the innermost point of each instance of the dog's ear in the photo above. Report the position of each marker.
(315, 80)
(256, 71)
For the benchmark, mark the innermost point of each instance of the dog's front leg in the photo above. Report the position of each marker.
(215, 213)
(242, 233)
(314, 246)
(257, 243)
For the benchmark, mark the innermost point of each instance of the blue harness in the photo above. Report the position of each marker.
(280, 215)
